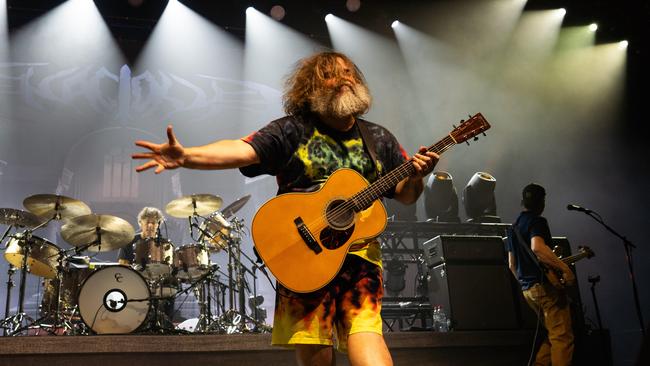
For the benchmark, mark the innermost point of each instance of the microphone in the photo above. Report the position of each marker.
(572, 207)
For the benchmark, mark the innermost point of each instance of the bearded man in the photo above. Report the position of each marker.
(324, 97)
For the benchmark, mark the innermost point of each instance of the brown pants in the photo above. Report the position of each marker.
(557, 348)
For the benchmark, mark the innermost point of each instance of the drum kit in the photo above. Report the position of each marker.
(83, 297)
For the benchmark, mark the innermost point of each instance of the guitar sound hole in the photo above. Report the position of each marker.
(339, 215)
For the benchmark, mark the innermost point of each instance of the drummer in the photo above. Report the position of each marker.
(149, 220)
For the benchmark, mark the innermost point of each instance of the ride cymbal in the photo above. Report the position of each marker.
(104, 232)
(54, 206)
(201, 204)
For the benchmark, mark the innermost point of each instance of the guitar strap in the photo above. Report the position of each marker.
(369, 143)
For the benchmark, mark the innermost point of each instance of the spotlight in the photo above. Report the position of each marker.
(395, 24)
(277, 12)
(353, 5)
(593, 27)
(249, 10)
(441, 198)
(478, 198)
(622, 44)
(329, 17)
(562, 11)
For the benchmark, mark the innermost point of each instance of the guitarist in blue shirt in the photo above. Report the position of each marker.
(550, 303)
(324, 97)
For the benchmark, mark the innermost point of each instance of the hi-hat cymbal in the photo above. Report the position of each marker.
(185, 206)
(105, 232)
(235, 206)
(55, 206)
(11, 216)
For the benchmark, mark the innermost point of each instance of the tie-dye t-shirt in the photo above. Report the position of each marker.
(302, 152)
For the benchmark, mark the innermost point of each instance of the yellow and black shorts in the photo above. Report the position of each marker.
(350, 304)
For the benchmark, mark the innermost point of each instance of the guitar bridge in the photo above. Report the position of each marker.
(307, 236)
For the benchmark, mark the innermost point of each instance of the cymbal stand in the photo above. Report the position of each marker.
(10, 283)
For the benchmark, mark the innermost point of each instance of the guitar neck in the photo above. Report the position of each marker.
(574, 258)
(368, 195)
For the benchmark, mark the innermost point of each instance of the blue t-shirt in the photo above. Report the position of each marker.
(529, 225)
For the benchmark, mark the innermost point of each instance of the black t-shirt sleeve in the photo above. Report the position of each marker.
(539, 227)
(389, 151)
(274, 145)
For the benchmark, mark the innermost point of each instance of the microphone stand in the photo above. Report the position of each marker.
(628, 258)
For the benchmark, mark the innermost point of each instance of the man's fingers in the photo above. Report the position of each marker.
(147, 145)
(170, 135)
(143, 156)
(159, 169)
(148, 165)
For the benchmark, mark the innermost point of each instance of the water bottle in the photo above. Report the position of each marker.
(444, 321)
(436, 318)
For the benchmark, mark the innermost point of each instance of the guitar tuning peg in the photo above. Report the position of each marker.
(475, 138)
(467, 142)
(484, 134)
(454, 126)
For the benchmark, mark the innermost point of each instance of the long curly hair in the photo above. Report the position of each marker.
(308, 76)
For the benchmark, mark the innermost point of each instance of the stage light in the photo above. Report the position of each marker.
(395, 24)
(441, 198)
(623, 44)
(329, 17)
(561, 11)
(353, 5)
(249, 10)
(478, 198)
(593, 27)
(277, 12)
(395, 271)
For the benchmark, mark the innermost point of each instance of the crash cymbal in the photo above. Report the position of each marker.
(105, 232)
(235, 206)
(54, 206)
(11, 216)
(185, 206)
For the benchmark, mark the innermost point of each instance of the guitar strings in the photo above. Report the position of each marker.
(374, 190)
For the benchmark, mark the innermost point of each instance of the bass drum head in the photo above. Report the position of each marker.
(114, 300)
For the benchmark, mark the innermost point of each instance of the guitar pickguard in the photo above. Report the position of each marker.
(333, 239)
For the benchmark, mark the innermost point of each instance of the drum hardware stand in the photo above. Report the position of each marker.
(10, 283)
(14, 323)
(204, 318)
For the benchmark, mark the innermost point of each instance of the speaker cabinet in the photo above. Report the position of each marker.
(472, 282)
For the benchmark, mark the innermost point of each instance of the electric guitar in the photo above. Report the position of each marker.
(304, 237)
(555, 277)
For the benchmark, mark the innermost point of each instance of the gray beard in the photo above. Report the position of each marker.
(350, 103)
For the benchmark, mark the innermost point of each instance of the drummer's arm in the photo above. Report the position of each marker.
(223, 154)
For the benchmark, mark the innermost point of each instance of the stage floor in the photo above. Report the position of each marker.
(407, 348)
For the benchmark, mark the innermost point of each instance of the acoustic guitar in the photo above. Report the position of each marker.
(555, 277)
(303, 238)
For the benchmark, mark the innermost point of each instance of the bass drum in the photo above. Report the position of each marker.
(114, 300)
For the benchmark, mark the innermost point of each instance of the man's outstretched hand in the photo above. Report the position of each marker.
(169, 155)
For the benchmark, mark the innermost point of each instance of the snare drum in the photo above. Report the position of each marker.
(42, 259)
(154, 257)
(114, 300)
(215, 231)
(191, 261)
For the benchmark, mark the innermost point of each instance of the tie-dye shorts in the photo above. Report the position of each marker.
(350, 304)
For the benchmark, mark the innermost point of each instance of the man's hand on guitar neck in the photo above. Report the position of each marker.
(408, 190)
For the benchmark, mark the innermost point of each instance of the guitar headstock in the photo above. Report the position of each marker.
(471, 128)
(586, 251)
